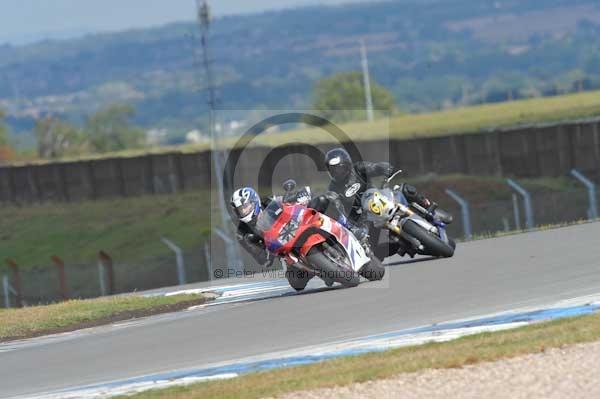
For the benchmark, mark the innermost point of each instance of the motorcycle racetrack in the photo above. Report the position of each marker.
(256, 316)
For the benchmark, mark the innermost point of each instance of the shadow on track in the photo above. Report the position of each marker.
(290, 293)
(410, 261)
(317, 290)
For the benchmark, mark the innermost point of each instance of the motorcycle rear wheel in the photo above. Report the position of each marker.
(328, 270)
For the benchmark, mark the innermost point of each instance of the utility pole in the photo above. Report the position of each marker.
(218, 155)
(367, 81)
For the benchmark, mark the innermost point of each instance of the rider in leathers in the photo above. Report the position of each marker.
(349, 180)
(247, 205)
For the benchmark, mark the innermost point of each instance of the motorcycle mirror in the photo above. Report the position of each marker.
(396, 173)
(289, 185)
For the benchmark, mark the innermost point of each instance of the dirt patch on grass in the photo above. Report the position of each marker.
(117, 317)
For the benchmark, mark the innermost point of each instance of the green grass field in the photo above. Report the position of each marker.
(127, 228)
(373, 366)
(456, 120)
(36, 320)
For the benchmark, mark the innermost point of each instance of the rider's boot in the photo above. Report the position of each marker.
(432, 212)
(438, 213)
(431, 208)
(443, 216)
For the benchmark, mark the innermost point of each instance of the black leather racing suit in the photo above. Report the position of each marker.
(344, 198)
(251, 240)
(347, 195)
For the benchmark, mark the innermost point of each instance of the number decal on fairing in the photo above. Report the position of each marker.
(355, 251)
(375, 204)
(374, 207)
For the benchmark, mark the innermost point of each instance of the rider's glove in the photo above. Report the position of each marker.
(253, 238)
(303, 196)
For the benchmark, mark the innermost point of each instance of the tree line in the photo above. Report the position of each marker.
(340, 98)
(109, 129)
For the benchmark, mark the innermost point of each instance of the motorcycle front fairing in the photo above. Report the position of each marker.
(294, 228)
(400, 197)
(284, 228)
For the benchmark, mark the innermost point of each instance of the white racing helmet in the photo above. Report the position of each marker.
(246, 204)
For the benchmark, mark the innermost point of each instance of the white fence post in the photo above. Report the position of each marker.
(178, 257)
(505, 224)
(516, 211)
(238, 266)
(101, 278)
(224, 237)
(466, 214)
(5, 285)
(591, 187)
(529, 222)
(208, 261)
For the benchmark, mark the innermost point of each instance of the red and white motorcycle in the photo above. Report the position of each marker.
(313, 244)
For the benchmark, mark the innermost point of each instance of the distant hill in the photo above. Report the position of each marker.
(430, 53)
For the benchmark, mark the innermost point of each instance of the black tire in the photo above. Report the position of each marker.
(452, 243)
(297, 278)
(433, 245)
(386, 249)
(374, 270)
(328, 270)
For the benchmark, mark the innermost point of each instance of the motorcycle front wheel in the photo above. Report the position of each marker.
(374, 270)
(329, 271)
(297, 278)
(433, 244)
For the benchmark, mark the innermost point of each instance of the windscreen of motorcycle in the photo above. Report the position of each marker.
(269, 216)
(378, 205)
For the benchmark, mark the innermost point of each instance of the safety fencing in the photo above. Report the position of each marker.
(60, 279)
(523, 210)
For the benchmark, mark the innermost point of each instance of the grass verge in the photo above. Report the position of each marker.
(126, 228)
(456, 120)
(76, 314)
(453, 354)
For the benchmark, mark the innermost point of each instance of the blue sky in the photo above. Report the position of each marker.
(29, 20)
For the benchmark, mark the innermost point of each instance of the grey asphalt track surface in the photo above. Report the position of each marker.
(485, 276)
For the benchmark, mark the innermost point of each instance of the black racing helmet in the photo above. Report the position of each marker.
(339, 165)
